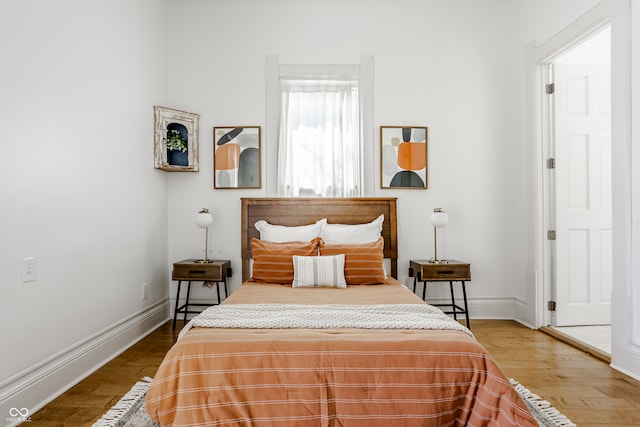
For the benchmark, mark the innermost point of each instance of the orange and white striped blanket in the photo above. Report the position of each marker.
(331, 377)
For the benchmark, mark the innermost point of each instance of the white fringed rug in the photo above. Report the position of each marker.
(130, 410)
(545, 414)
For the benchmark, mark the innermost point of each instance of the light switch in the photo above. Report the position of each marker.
(28, 269)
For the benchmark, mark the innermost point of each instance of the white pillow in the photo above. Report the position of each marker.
(282, 233)
(316, 271)
(349, 234)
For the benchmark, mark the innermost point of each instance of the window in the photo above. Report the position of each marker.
(319, 147)
(357, 80)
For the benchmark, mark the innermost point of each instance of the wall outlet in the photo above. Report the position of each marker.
(145, 287)
(28, 269)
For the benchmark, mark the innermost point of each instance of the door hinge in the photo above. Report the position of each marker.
(551, 234)
(551, 163)
(550, 88)
(551, 305)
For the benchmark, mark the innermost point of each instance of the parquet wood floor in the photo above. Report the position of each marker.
(577, 384)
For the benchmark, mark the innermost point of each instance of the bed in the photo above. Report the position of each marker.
(356, 355)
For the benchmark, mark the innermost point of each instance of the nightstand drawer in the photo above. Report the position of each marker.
(453, 270)
(190, 270)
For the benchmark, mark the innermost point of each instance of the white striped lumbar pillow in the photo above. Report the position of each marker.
(316, 271)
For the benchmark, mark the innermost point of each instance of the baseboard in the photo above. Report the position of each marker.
(633, 375)
(521, 313)
(28, 391)
(483, 308)
(492, 308)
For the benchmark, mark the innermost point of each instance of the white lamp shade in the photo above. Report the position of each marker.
(439, 218)
(204, 219)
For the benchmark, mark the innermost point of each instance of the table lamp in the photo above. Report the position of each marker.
(438, 218)
(204, 220)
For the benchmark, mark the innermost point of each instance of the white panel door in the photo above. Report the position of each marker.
(582, 105)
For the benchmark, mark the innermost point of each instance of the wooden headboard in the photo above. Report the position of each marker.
(303, 211)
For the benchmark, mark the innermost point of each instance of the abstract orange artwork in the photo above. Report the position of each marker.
(236, 157)
(403, 157)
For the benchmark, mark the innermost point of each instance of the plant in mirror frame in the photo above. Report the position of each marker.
(175, 141)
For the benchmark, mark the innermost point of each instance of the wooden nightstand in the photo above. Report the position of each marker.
(449, 271)
(189, 270)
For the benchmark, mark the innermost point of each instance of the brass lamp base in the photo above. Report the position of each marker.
(206, 248)
(438, 261)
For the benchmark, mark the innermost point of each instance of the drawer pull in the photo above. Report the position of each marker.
(446, 272)
(197, 272)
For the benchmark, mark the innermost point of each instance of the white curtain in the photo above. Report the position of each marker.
(319, 139)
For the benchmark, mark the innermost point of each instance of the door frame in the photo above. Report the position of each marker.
(541, 58)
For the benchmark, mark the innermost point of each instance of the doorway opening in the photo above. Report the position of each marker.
(579, 198)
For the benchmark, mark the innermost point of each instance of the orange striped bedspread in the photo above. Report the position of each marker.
(331, 377)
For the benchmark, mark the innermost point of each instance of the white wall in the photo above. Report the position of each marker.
(455, 66)
(434, 66)
(533, 23)
(78, 191)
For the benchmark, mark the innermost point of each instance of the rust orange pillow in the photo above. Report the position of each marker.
(363, 261)
(273, 262)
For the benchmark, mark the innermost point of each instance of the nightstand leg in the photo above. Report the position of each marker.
(218, 290)
(186, 303)
(453, 301)
(466, 309)
(413, 276)
(175, 309)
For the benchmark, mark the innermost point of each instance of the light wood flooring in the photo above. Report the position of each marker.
(582, 387)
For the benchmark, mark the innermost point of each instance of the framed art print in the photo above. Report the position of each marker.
(403, 157)
(175, 140)
(236, 157)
